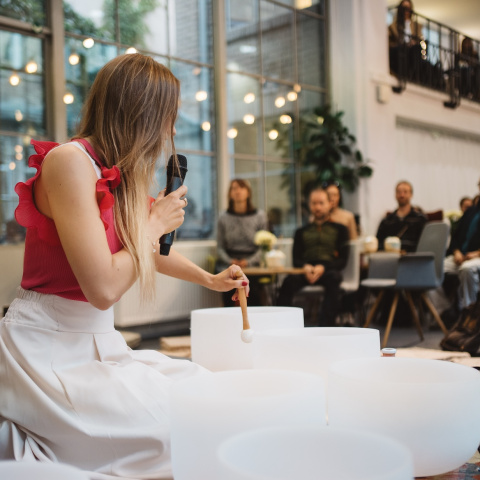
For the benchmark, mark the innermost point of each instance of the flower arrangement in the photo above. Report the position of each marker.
(265, 239)
(453, 215)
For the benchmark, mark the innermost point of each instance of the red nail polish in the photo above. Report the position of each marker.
(244, 284)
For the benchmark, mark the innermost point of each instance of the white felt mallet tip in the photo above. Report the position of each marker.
(247, 335)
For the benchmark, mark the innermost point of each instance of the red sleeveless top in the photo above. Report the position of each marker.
(45, 266)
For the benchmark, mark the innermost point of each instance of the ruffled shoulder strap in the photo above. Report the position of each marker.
(26, 212)
(110, 180)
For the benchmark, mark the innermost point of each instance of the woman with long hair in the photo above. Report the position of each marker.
(72, 391)
(235, 235)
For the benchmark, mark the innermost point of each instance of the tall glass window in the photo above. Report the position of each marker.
(273, 58)
(275, 74)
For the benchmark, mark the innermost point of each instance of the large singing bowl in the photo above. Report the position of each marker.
(310, 453)
(207, 409)
(431, 406)
(216, 333)
(313, 349)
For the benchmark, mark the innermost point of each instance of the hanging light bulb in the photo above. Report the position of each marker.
(291, 96)
(14, 79)
(249, 98)
(12, 166)
(201, 95)
(18, 115)
(249, 119)
(18, 156)
(73, 59)
(18, 149)
(31, 67)
(206, 126)
(232, 133)
(88, 42)
(297, 88)
(280, 102)
(68, 98)
(285, 119)
(131, 50)
(273, 134)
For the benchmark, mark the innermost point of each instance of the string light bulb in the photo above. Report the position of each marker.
(249, 119)
(31, 67)
(273, 134)
(249, 98)
(14, 79)
(68, 98)
(73, 59)
(232, 133)
(88, 42)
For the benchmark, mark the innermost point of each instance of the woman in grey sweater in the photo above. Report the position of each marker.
(235, 236)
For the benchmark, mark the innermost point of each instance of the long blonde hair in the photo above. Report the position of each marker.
(129, 116)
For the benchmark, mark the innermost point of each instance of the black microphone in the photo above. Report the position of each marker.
(175, 177)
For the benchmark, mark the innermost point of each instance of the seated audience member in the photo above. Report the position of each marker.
(463, 256)
(465, 204)
(338, 214)
(235, 236)
(406, 222)
(321, 249)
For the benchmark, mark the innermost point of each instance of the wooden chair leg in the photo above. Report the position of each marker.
(372, 311)
(416, 320)
(390, 319)
(434, 312)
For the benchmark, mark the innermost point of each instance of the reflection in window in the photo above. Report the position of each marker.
(29, 11)
(22, 96)
(201, 210)
(14, 153)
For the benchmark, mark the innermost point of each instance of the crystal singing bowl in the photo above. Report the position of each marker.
(207, 409)
(216, 333)
(431, 406)
(313, 349)
(312, 453)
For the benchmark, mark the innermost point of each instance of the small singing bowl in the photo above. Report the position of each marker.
(310, 453)
(431, 406)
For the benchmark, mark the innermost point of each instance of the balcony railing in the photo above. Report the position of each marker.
(435, 56)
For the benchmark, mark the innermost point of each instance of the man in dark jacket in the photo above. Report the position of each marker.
(321, 249)
(406, 222)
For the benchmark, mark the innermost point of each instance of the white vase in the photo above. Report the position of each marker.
(275, 258)
(431, 406)
(207, 409)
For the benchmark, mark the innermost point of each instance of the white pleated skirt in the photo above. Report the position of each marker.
(72, 391)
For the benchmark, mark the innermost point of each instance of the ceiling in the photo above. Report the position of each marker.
(461, 15)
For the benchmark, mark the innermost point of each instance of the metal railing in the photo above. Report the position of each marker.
(434, 56)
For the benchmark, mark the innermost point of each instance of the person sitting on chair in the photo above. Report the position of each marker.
(337, 213)
(406, 222)
(321, 249)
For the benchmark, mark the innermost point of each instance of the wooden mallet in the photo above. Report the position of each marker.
(247, 332)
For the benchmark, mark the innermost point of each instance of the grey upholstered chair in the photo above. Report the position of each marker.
(419, 271)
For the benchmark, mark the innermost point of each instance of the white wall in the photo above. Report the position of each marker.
(359, 67)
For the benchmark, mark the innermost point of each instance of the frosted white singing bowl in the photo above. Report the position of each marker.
(431, 406)
(207, 409)
(23, 470)
(293, 453)
(313, 349)
(216, 333)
